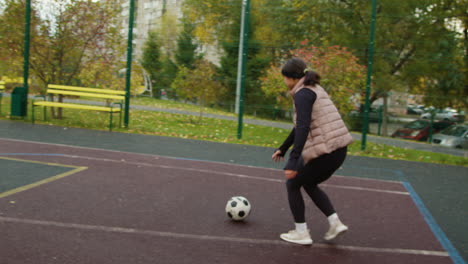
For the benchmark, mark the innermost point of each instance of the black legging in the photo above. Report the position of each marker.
(314, 172)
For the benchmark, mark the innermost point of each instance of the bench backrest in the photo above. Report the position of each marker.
(7, 79)
(85, 91)
(2, 85)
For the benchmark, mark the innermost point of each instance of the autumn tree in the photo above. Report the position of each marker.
(446, 55)
(342, 75)
(410, 38)
(198, 85)
(82, 36)
(12, 36)
(85, 32)
(211, 18)
(220, 26)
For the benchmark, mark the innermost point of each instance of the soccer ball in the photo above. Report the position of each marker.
(238, 208)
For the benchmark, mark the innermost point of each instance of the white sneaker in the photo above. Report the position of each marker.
(335, 230)
(294, 236)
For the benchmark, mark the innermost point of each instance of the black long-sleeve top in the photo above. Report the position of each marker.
(303, 102)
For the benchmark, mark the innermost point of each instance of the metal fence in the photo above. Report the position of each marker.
(415, 62)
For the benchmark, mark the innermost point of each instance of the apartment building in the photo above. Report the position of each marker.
(147, 15)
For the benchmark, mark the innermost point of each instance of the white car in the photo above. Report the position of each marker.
(455, 136)
(449, 115)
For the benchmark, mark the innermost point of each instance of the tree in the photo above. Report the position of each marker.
(168, 31)
(342, 75)
(272, 85)
(163, 42)
(11, 36)
(254, 69)
(408, 40)
(211, 18)
(186, 53)
(168, 74)
(198, 84)
(448, 55)
(85, 34)
(228, 38)
(151, 62)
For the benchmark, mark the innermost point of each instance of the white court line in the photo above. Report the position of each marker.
(233, 174)
(124, 230)
(178, 158)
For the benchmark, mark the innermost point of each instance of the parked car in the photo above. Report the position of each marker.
(446, 114)
(455, 136)
(414, 110)
(419, 129)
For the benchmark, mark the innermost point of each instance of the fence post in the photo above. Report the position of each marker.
(369, 74)
(431, 124)
(244, 35)
(379, 111)
(27, 34)
(129, 63)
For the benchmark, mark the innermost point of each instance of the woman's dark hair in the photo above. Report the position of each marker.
(296, 68)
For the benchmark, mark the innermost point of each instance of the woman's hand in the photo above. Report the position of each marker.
(290, 174)
(277, 156)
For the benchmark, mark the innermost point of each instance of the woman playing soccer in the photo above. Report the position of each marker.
(320, 140)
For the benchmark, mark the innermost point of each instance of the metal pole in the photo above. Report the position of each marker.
(244, 36)
(129, 63)
(27, 36)
(379, 111)
(431, 125)
(369, 74)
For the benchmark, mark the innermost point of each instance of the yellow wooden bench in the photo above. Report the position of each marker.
(7, 79)
(117, 98)
(2, 88)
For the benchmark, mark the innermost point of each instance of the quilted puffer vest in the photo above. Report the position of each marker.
(327, 131)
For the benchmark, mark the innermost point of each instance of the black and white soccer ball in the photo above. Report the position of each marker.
(238, 208)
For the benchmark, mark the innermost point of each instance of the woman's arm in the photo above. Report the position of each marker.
(303, 101)
(287, 143)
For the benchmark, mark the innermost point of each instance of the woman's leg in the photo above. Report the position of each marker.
(320, 199)
(314, 172)
(295, 199)
(318, 171)
(299, 235)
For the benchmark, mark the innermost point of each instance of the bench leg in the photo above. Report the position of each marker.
(110, 123)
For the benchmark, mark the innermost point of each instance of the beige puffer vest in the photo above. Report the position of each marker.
(327, 132)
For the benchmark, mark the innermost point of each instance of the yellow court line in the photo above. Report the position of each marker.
(41, 182)
(40, 162)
